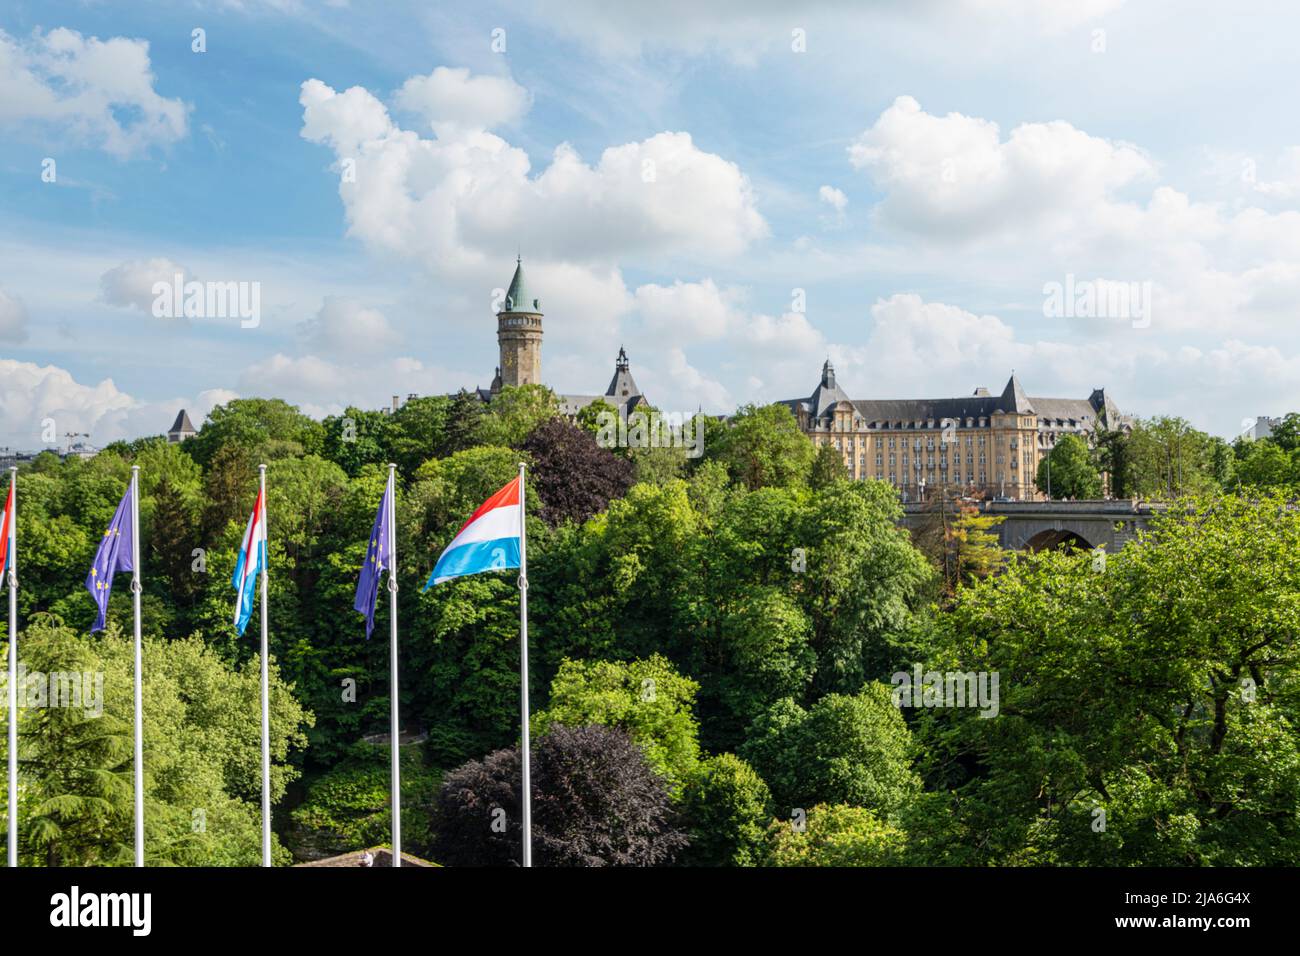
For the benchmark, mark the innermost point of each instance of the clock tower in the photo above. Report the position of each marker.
(519, 335)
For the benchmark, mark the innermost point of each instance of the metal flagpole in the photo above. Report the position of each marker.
(13, 671)
(266, 703)
(391, 520)
(136, 588)
(527, 796)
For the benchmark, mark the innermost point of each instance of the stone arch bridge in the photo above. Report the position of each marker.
(1037, 525)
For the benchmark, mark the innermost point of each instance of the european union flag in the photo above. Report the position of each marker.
(378, 557)
(114, 555)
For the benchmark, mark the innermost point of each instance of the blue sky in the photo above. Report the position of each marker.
(672, 174)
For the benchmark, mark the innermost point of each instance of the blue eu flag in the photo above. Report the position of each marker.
(378, 557)
(114, 555)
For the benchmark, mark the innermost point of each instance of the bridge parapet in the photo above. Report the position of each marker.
(1089, 507)
(1039, 524)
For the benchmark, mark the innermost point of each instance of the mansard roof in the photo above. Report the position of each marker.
(979, 405)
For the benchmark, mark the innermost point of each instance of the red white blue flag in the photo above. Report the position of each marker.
(252, 559)
(488, 541)
(6, 528)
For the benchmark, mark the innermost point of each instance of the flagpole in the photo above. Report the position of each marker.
(527, 796)
(391, 520)
(266, 703)
(13, 671)
(136, 588)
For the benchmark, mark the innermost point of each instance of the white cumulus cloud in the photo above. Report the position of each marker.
(833, 197)
(450, 97)
(130, 284)
(955, 176)
(99, 91)
(344, 324)
(37, 398)
(459, 198)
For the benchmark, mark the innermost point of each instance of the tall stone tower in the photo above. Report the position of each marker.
(519, 334)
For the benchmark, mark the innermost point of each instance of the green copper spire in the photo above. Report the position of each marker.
(517, 298)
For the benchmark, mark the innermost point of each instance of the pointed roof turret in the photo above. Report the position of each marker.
(181, 428)
(1014, 398)
(827, 394)
(182, 423)
(828, 374)
(517, 297)
(1105, 407)
(622, 386)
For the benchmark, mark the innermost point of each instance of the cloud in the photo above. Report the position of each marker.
(912, 338)
(746, 29)
(833, 198)
(456, 200)
(688, 380)
(320, 386)
(33, 395)
(1049, 201)
(450, 98)
(702, 312)
(1285, 182)
(344, 325)
(700, 316)
(697, 310)
(954, 176)
(101, 92)
(13, 318)
(130, 284)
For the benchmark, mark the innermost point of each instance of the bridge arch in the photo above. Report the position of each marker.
(1057, 539)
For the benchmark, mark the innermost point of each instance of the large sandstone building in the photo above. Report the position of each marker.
(982, 443)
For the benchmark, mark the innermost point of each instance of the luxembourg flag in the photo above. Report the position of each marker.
(6, 530)
(488, 541)
(252, 559)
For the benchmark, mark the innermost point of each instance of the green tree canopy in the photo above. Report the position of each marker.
(728, 807)
(202, 749)
(1068, 470)
(763, 447)
(514, 413)
(854, 749)
(1147, 714)
(264, 427)
(648, 699)
(836, 836)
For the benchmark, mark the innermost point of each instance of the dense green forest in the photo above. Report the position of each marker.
(712, 639)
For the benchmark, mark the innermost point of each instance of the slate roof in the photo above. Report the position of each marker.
(622, 386)
(1098, 409)
(182, 423)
